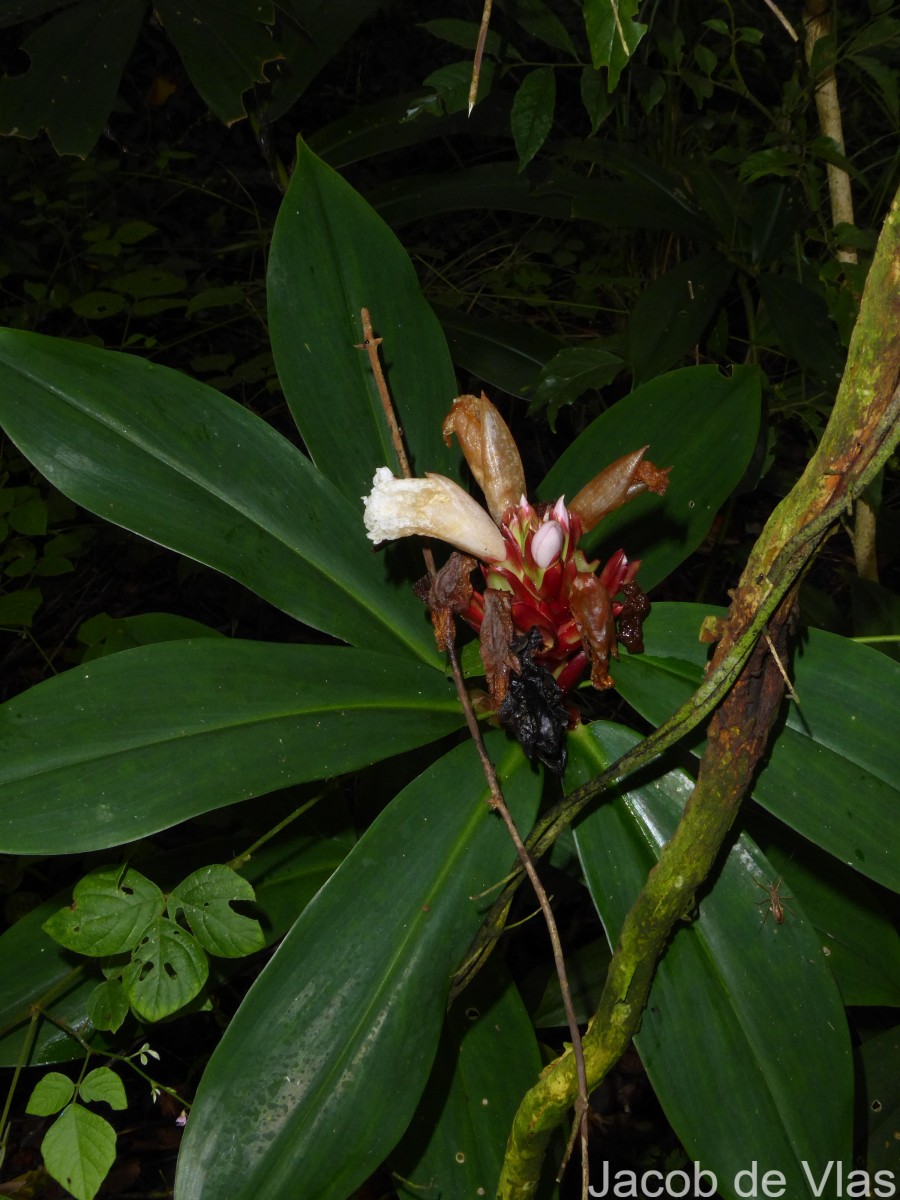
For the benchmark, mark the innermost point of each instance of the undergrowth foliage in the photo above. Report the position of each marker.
(634, 244)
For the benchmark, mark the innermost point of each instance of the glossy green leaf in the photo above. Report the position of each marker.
(741, 1007)
(569, 374)
(70, 93)
(224, 47)
(167, 970)
(613, 34)
(859, 937)
(110, 911)
(145, 739)
(51, 1093)
(351, 1006)
(831, 772)
(487, 1059)
(105, 1085)
(532, 112)
(674, 311)
(332, 256)
(216, 483)
(505, 354)
(205, 899)
(79, 1148)
(697, 421)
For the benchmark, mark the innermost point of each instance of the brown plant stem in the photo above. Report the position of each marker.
(862, 432)
(479, 53)
(498, 803)
(370, 344)
(447, 643)
(773, 7)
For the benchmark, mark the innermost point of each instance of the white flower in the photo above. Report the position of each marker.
(431, 507)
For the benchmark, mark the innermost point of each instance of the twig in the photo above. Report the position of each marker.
(479, 53)
(788, 686)
(782, 18)
(621, 32)
(497, 802)
(110, 1054)
(499, 805)
(370, 344)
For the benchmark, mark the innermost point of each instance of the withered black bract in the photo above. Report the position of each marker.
(533, 710)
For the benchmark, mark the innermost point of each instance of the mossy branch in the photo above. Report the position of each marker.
(862, 432)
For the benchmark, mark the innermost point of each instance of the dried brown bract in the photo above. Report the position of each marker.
(635, 610)
(592, 609)
(447, 593)
(496, 639)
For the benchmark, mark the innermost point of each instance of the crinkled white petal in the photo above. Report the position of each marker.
(432, 507)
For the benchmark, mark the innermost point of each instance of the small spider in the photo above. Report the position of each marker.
(775, 902)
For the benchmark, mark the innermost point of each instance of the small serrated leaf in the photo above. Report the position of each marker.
(103, 1084)
(111, 910)
(168, 969)
(205, 899)
(79, 1149)
(50, 1094)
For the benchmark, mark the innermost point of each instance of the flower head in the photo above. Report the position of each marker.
(544, 608)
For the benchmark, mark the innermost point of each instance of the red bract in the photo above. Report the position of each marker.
(571, 606)
(559, 601)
